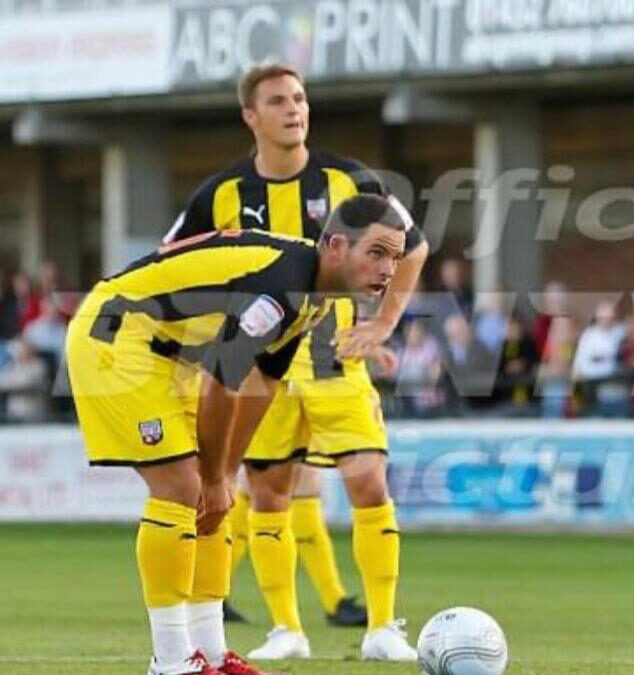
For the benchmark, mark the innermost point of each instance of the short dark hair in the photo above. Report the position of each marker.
(355, 214)
(267, 70)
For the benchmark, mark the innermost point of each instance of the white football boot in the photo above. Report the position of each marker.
(282, 643)
(388, 643)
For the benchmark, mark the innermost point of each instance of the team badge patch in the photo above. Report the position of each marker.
(151, 432)
(316, 208)
(261, 316)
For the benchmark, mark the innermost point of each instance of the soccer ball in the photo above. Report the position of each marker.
(462, 641)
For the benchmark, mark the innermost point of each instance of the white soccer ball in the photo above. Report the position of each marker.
(462, 641)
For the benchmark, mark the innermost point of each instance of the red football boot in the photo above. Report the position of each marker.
(234, 664)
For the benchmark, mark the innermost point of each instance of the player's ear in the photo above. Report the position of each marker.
(249, 117)
(338, 245)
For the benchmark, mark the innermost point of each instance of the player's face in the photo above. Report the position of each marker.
(371, 263)
(280, 112)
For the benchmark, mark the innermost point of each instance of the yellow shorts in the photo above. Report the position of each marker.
(318, 421)
(131, 407)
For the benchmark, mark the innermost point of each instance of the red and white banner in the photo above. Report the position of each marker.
(82, 55)
(44, 476)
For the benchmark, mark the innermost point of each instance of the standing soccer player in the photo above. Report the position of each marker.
(230, 306)
(327, 410)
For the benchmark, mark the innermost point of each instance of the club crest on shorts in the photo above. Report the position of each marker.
(316, 208)
(151, 432)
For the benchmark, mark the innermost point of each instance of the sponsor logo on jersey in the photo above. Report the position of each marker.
(261, 317)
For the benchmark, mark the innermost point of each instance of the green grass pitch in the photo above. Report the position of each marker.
(70, 602)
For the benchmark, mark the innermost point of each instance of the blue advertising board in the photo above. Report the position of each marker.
(570, 474)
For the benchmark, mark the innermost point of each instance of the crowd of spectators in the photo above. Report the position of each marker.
(34, 315)
(567, 355)
(561, 355)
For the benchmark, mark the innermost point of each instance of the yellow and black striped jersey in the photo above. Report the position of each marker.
(239, 198)
(225, 300)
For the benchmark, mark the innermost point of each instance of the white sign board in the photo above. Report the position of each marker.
(44, 476)
(84, 55)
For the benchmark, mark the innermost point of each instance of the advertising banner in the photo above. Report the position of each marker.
(341, 39)
(499, 474)
(160, 47)
(80, 55)
(502, 474)
(44, 476)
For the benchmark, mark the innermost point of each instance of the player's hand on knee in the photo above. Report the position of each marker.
(215, 501)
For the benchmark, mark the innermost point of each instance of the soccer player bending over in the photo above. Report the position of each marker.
(233, 306)
(326, 412)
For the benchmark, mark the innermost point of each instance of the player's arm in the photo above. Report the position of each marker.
(214, 423)
(255, 396)
(229, 411)
(217, 406)
(228, 400)
(234, 401)
(362, 338)
(227, 364)
(226, 421)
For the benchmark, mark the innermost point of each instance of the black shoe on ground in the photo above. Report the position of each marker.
(232, 615)
(348, 613)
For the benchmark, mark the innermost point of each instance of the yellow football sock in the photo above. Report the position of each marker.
(315, 550)
(166, 552)
(274, 558)
(212, 575)
(239, 519)
(376, 545)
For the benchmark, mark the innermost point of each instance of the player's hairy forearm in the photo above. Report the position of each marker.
(255, 396)
(402, 286)
(364, 337)
(217, 407)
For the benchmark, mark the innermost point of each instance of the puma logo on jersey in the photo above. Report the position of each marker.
(258, 215)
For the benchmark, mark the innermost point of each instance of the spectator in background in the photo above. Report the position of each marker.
(433, 307)
(28, 299)
(456, 288)
(469, 372)
(516, 372)
(9, 326)
(625, 353)
(52, 286)
(554, 303)
(23, 381)
(47, 333)
(554, 373)
(49, 277)
(490, 321)
(420, 367)
(625, 358)
(8, 317)
(595, 365)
